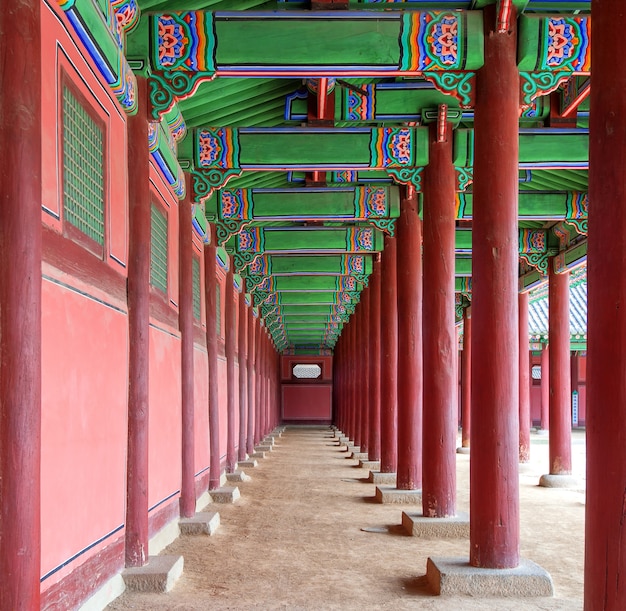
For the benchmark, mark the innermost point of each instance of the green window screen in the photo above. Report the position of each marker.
(83, 169)
(218, 310)
(158, 249)
(195, 278)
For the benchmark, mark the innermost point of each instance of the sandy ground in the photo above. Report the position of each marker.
(295, 539)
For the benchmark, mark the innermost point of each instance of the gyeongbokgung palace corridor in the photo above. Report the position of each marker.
(313, 304)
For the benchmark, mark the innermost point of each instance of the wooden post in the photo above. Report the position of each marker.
(20, 304)
(560, 384)
(358, 373)
(494, 481)
(440, 420)
(242, 356)
(545, 387)
(210, 298)
(364, 369)
(258, 381)
(230, 319)
(373, 448)
(605, 531)
(263, 403)
(410, 375)
(354, 385)
(185, 317)
(251, 374)
(466, 378)
(524, 381)
(138, 332)
(389, 359)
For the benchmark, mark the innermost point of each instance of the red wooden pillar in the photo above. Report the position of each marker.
(251, 374)
(364, 370)
(20, 303)
(230, 319)
(353, 375)
(389, 359)
(210, 299)
(242, 352)
(605, 532)
(466, 378)
(440, 419)
(185, 317)
(560, 383)
(263, 401)
(410, 375)
(373, 449)
(494, 488)
(524, 380)
(138, 332)
(545, 387)
(358, 373)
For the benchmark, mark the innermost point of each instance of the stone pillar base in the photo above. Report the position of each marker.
(158, 575)
(455, 576)
(358, 456)
(455, 527)
(372, 465)
(238, 476)
(376, 477)
(559, 481)
(390, 495)
(462, 450)
(203, 523)
(263, 448)
(248, 464)
(225, 495)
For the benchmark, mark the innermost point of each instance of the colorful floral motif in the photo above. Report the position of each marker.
(532, 240)
(348, 283)
(356, 265)
(370, 202)
(360, 238)
(391, 147)
(360, 107)
(250, 240)
(126, 17)
(345, 176)
(577, 205)
(218, 148)
(259, 266)
(430, 41)
(235, 205)
(185, 41)
(568, 43)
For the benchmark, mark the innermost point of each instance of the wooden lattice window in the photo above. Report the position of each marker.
(158, 249)
(195, 279)
(83, 171)
(218, 310)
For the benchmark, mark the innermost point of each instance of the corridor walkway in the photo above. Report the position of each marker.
(307, 535)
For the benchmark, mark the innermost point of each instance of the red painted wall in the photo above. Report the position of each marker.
(305, 399)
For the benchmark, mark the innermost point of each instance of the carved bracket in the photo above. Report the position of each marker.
(207, 181)
(168, 87)
(461, 85)
(464, 178)
(388, 226)
(227, 228)
(535, 84)
(535, 260)
(407, 176)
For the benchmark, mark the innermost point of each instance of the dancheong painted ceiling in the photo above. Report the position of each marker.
(300, 127)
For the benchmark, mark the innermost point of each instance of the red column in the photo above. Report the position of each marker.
(242, 349)
(440, 419)
(210, 299)
(466, 378)
(494, 487)
(524, 380)
(230, 319)
(389, 359)
(373, 449)
(605, 534)
(358, 373)
(258, 383)
(545, 387)
(138, 332)
(352, 431)
(185, 318)
(263, 401)
(20, 303)
(560, 383)
(364, 370)
(251, 379)
(410, 376)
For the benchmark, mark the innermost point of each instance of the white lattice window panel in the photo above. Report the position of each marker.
(307, 371)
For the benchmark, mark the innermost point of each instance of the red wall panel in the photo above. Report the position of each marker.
(307, 402)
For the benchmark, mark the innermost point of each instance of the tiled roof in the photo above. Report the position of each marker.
(538, 308)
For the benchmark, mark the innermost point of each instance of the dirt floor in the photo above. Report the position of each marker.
(296, 539)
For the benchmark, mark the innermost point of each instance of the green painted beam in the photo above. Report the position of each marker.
(340, 265)
(544, 206)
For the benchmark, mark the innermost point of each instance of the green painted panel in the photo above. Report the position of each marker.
(304, 310)
(463, 239)
(402, 102)
(551, 146)
(289, 149)
(325, 264)
(314, 203)
(307, 240)
(310, 283)
(308, 298)
(532, 205)
(331, 42)
(463, 266)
